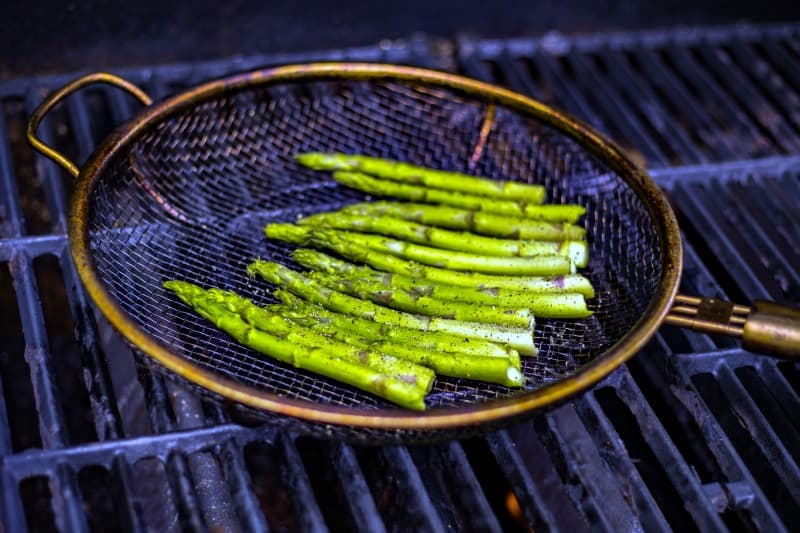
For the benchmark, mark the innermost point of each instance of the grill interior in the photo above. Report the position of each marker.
(693, 434)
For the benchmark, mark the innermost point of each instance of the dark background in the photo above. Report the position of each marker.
(46, 36)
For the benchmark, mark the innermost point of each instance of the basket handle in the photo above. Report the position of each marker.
(767, 327)
(56, 96)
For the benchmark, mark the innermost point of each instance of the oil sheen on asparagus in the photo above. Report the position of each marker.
(448, 280)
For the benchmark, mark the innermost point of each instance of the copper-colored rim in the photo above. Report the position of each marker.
(437, 418)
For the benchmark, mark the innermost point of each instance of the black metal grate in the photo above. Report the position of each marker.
(694, 434)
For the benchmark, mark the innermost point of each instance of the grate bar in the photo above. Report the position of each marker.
(309, 515)
(52, 426)
(778, 56)
(517, 77)
(770, 81)
(614, 454)
(717, 99)
(240, 483)
(658, 117)
(359, 501)
(725, 454)
(12, 511)
(530, 497)
(759, 233)
(183, 486)
(750, 98)
(776, 382)
(762, 434)
(80, 123)
(419, 502)
(36, 462)
(600, 498)
(12, 219)
(469, 488)
(610, 101)
(50, 175)
(572, 98)
(125, 496)
(691, 491)
(66, 502)
(725, 243)
(772, 225)
(673, 90)
(34, 245)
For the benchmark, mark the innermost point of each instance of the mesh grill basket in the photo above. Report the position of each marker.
(190, 197)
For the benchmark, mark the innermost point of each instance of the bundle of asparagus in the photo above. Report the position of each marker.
(461, 281)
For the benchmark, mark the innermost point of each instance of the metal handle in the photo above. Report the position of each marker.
(766, 327)
(63, 92)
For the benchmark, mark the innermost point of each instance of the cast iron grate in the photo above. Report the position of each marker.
(693, 434)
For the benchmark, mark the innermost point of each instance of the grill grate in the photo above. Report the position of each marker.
(692, 434)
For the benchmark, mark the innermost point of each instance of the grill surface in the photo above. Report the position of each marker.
(693, 434)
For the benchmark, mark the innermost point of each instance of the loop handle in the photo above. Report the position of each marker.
(56, 96)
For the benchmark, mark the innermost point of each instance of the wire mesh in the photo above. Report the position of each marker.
(190, 198)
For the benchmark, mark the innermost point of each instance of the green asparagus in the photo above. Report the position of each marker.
(318, 359)
(329, 322)
(533, 266)
(481, 367)
(414, 193)
(437, 179)
(451, 240)
(475, 221)
(520, 339)
(275, 324)
(424, 305)
(543, 305)
(389, 263)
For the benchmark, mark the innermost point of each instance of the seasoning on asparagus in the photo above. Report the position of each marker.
(424, 305)
(275, 324)
(317, 359)
(388, 263)
(533, 266)
(520, 339)
(329, 322)
(451, 240)
(500, 370)
(543, 305)
(551, 212)
(437, 179)
(472, 220)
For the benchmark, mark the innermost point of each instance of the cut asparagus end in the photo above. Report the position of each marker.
(514, 378)
(578, 251)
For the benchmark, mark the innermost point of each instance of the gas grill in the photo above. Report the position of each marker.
(693, 434)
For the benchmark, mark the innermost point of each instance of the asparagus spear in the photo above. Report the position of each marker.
(451, 240)
(438, 179)
(562, 305)
(540, 265)
(389, 263)
(329, 322)
(484, 368)
(475, 221)
(424, 305)
(317, 359)
(275, 324)
(415, 193)
(520, 339)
